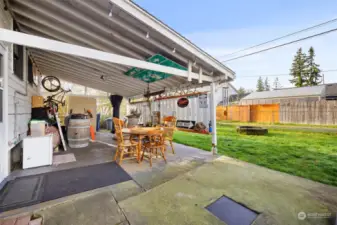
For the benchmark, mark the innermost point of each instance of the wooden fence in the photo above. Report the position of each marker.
(320, 112)
(309, 112)
(249, 113)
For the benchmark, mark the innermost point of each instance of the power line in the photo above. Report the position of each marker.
(281, 45)
(284, 74)
(279, 38)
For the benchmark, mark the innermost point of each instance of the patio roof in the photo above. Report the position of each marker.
(128, 36)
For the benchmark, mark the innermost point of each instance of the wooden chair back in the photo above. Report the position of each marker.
(168, 133)
(118, 124)
(156, 137)
(170, 121)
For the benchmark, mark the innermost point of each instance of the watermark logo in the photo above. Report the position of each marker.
(301, 215)
(314, 215)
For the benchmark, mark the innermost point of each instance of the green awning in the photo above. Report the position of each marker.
(150, 76)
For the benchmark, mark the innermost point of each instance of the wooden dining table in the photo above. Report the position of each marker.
(140, 133)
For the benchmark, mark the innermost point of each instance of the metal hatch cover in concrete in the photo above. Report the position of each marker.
(231, 212)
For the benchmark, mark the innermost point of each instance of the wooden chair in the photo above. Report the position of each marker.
(170, 121)
(168, 136)
(156, 142)
(124, 147)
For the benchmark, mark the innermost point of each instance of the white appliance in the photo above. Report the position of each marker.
(37, 151)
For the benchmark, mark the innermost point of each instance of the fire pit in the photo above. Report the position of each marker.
(250, 130)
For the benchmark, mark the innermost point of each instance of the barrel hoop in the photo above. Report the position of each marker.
(79, 127)
(79, 139)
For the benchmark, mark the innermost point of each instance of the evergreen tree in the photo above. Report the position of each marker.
(266, 84)
(313, 75)
(297, 70)
(276, 84)
(260, 85)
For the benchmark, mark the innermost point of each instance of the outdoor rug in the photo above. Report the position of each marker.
(30, 190)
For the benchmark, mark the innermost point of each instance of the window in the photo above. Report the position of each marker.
(30, 71)
(18, 58)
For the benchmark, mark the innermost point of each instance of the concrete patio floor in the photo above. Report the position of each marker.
(278, 197)
(179, 191)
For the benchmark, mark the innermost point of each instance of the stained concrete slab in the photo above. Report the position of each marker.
(125, 190)
(95, 209)
(278, 197)
(185, 159)
(119, 191)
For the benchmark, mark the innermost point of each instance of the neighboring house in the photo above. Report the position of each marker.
(19, 77)
(312, 93)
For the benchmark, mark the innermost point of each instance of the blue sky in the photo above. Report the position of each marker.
(221, 27)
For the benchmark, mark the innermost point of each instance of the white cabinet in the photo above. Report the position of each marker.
(37, 151)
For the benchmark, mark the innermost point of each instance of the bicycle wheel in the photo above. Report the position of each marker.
(51, 83)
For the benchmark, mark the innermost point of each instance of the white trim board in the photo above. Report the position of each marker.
(70, 49)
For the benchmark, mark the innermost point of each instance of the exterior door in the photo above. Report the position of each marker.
(4, 160)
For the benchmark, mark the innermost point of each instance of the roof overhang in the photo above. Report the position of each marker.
(78, 41)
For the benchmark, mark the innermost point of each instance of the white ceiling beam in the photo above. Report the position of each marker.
(200, 75)
(163, 29)
(189, 68)
(87, 20)
(142, 35)
(64, 76)
(85, 80)
(57, 46)
(82, 61)
(29, 30)
(42, 24)
(79, 69)
(130, 82)
(34, 12)
(95, 77)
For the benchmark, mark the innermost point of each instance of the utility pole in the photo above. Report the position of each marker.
(323, 78)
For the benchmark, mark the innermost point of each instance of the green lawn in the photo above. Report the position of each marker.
(309, 155)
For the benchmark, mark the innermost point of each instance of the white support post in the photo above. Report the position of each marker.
(213, 119)
(189, 78)
(200, 75)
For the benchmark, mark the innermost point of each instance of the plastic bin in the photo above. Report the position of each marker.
(108, 123)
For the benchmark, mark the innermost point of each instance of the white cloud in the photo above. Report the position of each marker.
(276, 61)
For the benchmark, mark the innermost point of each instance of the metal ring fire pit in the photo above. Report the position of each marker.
(250, 130)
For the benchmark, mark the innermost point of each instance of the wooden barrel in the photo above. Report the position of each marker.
(78, 133)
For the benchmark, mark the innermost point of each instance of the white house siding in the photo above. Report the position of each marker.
(5, 22)
(22, 114)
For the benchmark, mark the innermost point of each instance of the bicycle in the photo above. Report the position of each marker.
(53, 84)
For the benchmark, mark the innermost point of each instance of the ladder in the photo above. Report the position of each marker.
(60, 131)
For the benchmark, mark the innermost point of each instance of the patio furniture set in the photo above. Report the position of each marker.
(143, 142)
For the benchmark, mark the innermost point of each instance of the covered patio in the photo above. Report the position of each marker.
(96, 44)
